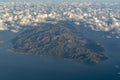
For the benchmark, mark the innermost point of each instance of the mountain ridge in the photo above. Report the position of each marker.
(59, 40)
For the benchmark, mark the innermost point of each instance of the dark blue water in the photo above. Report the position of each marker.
(14, 66)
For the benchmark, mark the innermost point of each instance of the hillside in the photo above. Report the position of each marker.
(59, 40)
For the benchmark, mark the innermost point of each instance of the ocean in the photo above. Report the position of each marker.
(17, 66)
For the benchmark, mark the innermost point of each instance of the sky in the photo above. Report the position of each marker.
(60, 0)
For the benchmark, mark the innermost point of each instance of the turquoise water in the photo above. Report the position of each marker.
(14, 66)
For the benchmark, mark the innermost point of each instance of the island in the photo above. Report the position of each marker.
(60, 40)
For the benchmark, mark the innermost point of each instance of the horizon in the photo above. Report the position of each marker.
(61, 0)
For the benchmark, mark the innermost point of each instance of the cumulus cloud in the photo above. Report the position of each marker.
(98, 18)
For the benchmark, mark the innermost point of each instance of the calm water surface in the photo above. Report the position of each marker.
(14, 66)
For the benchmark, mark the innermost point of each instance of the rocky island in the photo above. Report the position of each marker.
(60, 40)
